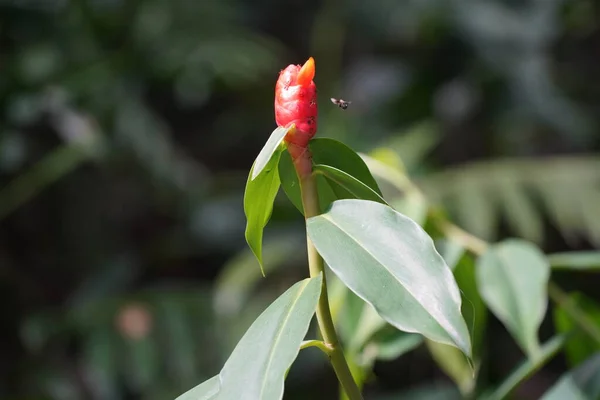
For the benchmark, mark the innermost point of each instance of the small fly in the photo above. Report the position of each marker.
(343, 104)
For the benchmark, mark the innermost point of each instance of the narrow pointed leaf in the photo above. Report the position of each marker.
(346, 186)
(257, 367)
(258, 203)
(336, 154)
(390, 262)
(512, 278)
(527, 369)
(583, 383)
(268, 150)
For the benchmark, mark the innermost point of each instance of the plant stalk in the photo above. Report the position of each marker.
(310, 203)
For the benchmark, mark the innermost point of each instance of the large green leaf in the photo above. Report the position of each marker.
(256, 369)
(580, 345)
(582, 383)
(258, 203)
(527, 369)
(576, 260)
(512, 278)
(341, 164)
(268, 151)
(389, 261)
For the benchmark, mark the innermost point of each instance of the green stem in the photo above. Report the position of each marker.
(318, 344)
(310, 202)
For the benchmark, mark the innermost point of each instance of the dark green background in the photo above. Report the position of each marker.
(146, 116)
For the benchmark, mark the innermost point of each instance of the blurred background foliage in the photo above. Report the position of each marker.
(128, 129)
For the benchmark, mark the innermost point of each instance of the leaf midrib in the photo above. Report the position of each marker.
(281, 327)
(389, 272)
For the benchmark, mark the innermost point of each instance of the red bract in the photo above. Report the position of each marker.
(296, 102)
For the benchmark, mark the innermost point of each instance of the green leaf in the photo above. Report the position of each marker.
(238, 278)
(268, 151)
(338, 155)
(512, 278)
(289, 180)
(576, 260)
(450, 251)
(521, 214)
(207, 390)
(453, 363)
(390, 262)
(527, 369)
(256, 369)
(335, 155)
(389, 344)
(258, 203)
(430, 391)
(369, 322)
(346, 186)
(580, 345)
(473, 307)
(582, 383)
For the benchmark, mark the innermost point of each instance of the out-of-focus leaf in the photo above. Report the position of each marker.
(576, 260)
(178, 340)
(258, 203)
(47, 171)
(451, 361)
(476, 209)
(368, 323)
(557, 182)
(387, 259)
(415, 144)
(239, 277)
(389, 344)
(100, 356)
(582, 383)
(520, 213)
(579, 345)
(527, 368)
(454, 364)
(434, 391)
(450, 251)
(143, 362)
(413, 205)
(257, 367)
(512, 278)
(473, 307)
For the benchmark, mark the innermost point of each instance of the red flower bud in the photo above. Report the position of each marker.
(296, 102)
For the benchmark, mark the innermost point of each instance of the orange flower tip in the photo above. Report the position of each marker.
(306, 73)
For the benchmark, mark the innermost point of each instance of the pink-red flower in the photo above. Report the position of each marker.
(296, 102)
